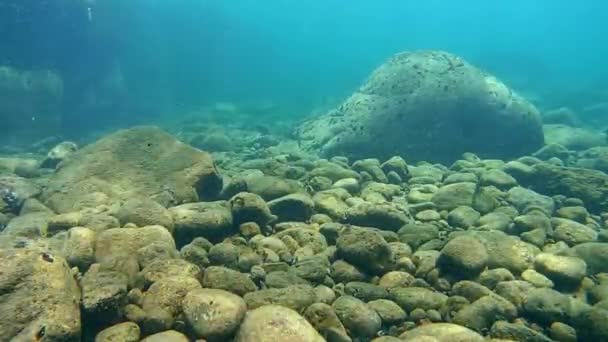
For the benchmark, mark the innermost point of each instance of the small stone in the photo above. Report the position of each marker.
(360, 319)
(536, 279)
(562, 332)
(272, 323)
(463, 255)
(127, 332)
(389, 311)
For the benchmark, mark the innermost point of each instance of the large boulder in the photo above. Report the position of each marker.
(30, 103)
(142, 161)
(427, 105)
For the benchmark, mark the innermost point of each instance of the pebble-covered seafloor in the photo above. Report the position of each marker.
(297, 248)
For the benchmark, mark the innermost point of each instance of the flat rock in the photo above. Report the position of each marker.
(142, 161)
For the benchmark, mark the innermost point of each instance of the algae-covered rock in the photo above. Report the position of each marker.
(296, 297)
(272, 323)
(144, 212)
(212, 314)
(142, 161)
(439, 103)
(591, 186)
(127, 332)
(39, 295)
(358, 317)
(326, 321)
(484, 312)
(210, 220)
(454, 195)
(364, 248)
(442, 332)
(464, 255)
(217, 277)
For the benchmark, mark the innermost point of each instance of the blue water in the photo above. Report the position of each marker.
(172, 56)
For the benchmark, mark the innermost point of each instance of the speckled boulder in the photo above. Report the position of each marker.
(272, 323)
(39, 293)
(441, 104)
(143, 161)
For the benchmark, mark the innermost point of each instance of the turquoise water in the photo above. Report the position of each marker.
(137, 59)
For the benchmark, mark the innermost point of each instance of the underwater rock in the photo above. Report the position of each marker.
(213, 315)
(295, 297)
(218, 277)
(126, 332)
(272, 323)
(463, 256)
(210, 220)
(427, 105)
(144, 212)
(30, 106)
(358, 317)
(40, 297)
(143, 161)
(591, 186)
(442, 332)
(573, 138)
(365, 248)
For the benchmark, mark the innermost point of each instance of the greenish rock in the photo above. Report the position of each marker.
(166, 336)
(521, 198)
(572, 138)
(464, 256)
(163, 268)
(332, 203)
(529, 222)
(104, 293)
(537, 237)
(460, 177)
(595, 255)
(591, 186)
(305, 237)
(507, 251)
(428, 215)
(442, 332)
(451, 196)
(372, 167)
(296, 297)
(214, 142)
(271, 187)
(382, 216)
(389, 311)
(470, 290)
(574, 213)
(326, 321)
(572, 232)
(516, 332)
(490, 278)
(591, 325)
(417, 234)
(213, 315)
(537, 279)
(463, 217)
(547, 305)
(497, 178)
(411, 298)
(563, 270)
(334, 172)
(395, 279)
(210, 220)
(562, 332)
(250, 207)
(313, 268)
(344, 272)
(365, 291)
(365, 248)
(272, 323)
(167, 294)
(224, 254)
(397, 165)
(281, 279)
(358, 317)
(293, 207)
(552, 150)
(515, 291)
(217, 277)
(127, 332)
(195, 255)
(144, 212)
(495, 221)
(484, 312)
(487, 199)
